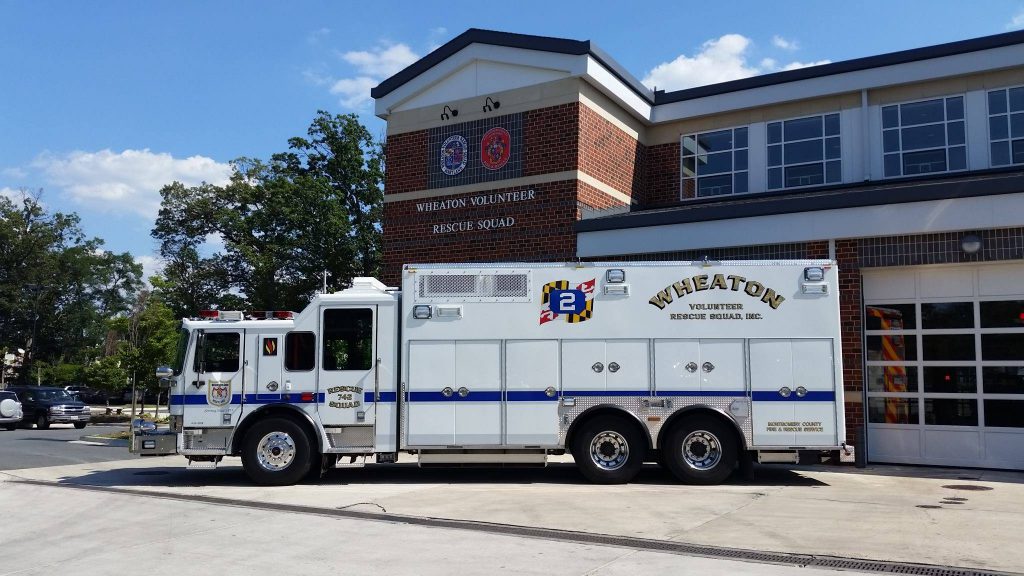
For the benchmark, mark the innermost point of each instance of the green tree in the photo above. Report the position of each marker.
(283, 224)
(57, 287)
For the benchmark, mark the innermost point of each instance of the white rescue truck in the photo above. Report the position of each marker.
(697, 365)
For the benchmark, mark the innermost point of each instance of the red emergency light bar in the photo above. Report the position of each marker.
(268, 314)
(212, 314)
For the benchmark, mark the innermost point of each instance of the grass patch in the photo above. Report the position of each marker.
(125, 435)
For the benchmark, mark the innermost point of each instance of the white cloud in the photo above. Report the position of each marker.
(436, 35)
(127, 181)
(354, 92)
(14, 172)
(11, 194)
(798, 65)
(1017, 21)
(719, 60)
(316, 36)
(382, 61)
(151, 266)
(780, 42)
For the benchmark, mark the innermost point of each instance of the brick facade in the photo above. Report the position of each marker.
(406, 162)
(610, 154)
(662, 166)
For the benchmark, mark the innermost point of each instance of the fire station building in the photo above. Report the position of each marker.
(907, 168)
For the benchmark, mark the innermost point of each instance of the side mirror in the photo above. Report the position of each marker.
(164, 372)
(201, 352)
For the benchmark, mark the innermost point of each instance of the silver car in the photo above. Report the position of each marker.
(10, 410)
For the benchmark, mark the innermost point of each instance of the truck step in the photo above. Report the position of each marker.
(466, 458)
(194, 464)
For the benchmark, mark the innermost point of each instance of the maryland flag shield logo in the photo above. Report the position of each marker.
(574, 304)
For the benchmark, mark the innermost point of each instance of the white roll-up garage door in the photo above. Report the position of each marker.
(944, 374)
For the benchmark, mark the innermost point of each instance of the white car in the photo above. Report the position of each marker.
(10, 410)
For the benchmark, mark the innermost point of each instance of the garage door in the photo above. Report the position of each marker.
(944, 354)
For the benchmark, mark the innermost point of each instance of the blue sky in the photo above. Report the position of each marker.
(101, 103)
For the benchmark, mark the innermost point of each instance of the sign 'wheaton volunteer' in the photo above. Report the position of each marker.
(456, 369)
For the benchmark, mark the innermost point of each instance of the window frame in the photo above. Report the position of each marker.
(824, 159)
(315, 348)
(732, 172)
(900, 152)
(322, 346)
(1009, 126)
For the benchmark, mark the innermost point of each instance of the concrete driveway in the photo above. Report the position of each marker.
(939, 517)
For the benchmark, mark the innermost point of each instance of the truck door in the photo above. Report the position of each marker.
(213, 397)
(793, 392)
(531, 393)
(347, 372)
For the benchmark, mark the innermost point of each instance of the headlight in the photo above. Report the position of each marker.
(54, 409)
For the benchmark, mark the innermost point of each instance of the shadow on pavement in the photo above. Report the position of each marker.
(934, 472)
(410, 473)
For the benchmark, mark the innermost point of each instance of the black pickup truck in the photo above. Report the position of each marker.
(43, 406)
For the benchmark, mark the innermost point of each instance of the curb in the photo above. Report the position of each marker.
(105, 441)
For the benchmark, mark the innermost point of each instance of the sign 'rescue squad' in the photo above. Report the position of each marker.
(703, 282)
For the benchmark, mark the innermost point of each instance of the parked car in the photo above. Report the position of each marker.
(10, 410)
(43, 405)
(87, 395)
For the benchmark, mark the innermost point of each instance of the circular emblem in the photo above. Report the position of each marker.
(453, 155)
(495, 148)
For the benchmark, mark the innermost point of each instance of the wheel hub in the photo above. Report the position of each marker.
(701, 450)
(609, 450)
(276, 451)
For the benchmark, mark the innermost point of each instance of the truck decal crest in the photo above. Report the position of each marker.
(219, 392)
(577, 305)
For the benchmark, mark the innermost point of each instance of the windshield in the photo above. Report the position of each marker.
(58, 395)
(179, 354)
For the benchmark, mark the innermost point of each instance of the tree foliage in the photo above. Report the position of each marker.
(58, 285)
(278, 225)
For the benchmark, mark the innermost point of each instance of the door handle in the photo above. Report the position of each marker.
(785, 392)
(613, 367)
(691, 367)
(597, 367)
(198, 384)
(707, 366)
(463, 392)
(447, 392)
(801, 391)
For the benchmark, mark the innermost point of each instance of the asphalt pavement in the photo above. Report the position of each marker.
(58, 446)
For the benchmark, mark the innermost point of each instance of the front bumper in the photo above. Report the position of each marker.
(12, 420)
(68, 418)
(153, 442)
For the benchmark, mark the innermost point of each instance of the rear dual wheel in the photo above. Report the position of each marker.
(700, 450)
(609, 450)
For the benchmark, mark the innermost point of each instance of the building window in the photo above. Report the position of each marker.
(804, 152)
(714, 163)
(1006, 126)
(924, 137)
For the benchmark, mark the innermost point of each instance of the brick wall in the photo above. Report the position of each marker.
(851, 327)
(610, 154)
(407, 156)
(662, 167)
(551, 139)
(542, 229)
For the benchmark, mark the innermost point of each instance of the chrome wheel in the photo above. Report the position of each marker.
(275, 451)
(701, 450)
(609, 450)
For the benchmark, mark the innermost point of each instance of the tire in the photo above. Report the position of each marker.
(276, 452)
(42, 422)
(11, 427)
(701, 450)
(609, 450)
(80, 425)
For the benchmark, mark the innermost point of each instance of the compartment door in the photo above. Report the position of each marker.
(477, 397)
(430, 410)
(793, 392)
(771, 375)
(722, 368)
(531, 392)
(628, 367)
(583, 368)
(677, 367)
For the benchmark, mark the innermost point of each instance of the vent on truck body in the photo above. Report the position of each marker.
(473, 287)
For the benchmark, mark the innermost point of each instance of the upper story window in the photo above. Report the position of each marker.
(804, 152)
(714, 163)
(924, 137)
(1006, 126)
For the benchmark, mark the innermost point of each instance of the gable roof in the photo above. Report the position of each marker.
(586, 47)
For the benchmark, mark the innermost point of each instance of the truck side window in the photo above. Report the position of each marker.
(299, 351)
(348, 339)
(221, 352)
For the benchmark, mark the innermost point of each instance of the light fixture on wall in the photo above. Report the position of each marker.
(971, 243)
(446, 110)
(491, 104)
